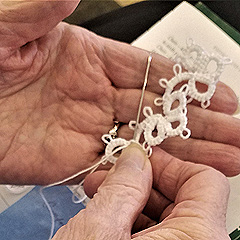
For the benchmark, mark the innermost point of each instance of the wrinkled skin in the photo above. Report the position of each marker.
(62, 86)
(189, 200)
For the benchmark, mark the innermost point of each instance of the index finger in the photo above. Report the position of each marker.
(197, 192)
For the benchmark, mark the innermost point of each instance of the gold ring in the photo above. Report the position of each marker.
(113, 131)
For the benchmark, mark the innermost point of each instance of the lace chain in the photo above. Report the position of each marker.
(155, 128)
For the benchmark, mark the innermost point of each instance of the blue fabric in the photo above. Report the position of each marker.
(29, 218)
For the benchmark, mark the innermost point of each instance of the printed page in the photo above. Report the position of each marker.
(170, 34)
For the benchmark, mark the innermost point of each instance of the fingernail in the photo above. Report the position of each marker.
(238, 110)
(135, 153)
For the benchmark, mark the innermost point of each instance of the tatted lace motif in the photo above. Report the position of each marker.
(156, 127)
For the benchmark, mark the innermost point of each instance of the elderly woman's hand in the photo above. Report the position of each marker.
(62, 86)
(187, 201)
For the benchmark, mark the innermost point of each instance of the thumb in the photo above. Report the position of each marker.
(123, 194)
(117, 203)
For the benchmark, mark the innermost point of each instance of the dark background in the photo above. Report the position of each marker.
(109, 19)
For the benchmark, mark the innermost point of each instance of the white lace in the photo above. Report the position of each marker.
(155, 128)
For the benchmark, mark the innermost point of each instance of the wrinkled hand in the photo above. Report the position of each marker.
(62, 86)
(189, 200)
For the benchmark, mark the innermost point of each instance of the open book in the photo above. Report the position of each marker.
(169, 35)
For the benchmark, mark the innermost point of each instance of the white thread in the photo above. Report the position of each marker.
(198, 64)
(205, 104)
(147, 111)
(137, 130)
(147, 149)
(202, 60)
(177, 69)
(58, 183)
(182, 119)
(93, 168)
(75, 175)
(169, 99)
(189, 100)
(50, 211)
(152, 122)
(172, 83)
(188, 133)
(115, 146)
(158, 101)
(132, 125)
(74, 200)
(163, 82)
(74, 196)
(202, 68)
(185, 89)
(106, 138)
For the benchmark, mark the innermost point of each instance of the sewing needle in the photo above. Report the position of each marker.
(142, 96)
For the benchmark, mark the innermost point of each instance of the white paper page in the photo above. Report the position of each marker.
(169, 35)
